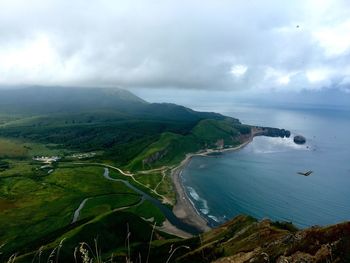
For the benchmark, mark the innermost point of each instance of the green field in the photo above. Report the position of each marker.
(102, 204)
(33, 206)
(38, 200)
(159, 182)
(21, 149)
(12, 149)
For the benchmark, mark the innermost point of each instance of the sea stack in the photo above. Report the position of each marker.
(298, 139)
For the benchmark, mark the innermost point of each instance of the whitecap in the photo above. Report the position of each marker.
(214, 218)
(202, 204)
(204, 211)
(276, 144)
(193, 193)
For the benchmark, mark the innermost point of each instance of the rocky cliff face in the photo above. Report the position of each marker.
(246, 240)
(154, 157)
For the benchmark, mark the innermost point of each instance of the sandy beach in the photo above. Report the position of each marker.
(184, 209)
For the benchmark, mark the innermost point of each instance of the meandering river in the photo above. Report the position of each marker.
(165, 210)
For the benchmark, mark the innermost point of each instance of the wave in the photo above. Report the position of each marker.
(276, 144)
(204, 211)
(202, 204)
(214, 218)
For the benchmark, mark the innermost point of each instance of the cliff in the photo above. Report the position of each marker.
(246, 240)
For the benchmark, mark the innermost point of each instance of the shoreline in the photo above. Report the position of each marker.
(184, 209)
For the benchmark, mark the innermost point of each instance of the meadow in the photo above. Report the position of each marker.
(43, 203)
(35, 204)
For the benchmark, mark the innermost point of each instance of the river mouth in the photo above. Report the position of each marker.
(168, 213)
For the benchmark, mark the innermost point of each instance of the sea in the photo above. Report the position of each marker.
(262, 180)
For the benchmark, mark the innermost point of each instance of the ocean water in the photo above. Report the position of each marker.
(262, 179)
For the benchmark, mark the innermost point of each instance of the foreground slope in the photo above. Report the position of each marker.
(125, 238)
(246, 240)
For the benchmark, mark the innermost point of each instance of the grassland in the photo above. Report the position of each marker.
(102, 204)
(34, 205)
(11, 149)
(159, 182)
(21, 149)
(170, 149)
(37, 200)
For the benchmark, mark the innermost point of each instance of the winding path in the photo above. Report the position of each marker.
(165, 199)
(77, 212)
(168, 213)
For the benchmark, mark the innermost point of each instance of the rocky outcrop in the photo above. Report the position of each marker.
(271, 132)
(220, 144)
(299, 139)
(154, 157)
(245, 240)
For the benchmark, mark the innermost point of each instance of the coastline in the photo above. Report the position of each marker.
(184, 209)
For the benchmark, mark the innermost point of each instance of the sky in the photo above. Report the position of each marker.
(227, 45)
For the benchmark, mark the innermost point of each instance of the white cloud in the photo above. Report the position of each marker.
(238, 70)
(335, 40)
(277, 78)
(317, 75)
(284, 80)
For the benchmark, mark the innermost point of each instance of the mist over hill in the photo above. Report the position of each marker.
(40, 100)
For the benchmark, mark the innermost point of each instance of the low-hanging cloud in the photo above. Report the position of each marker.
(225, 45)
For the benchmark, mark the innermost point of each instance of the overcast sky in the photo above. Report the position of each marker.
(210, 45)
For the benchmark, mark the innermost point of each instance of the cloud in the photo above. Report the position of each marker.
(334, 40)
(238, 70)
(208, 45)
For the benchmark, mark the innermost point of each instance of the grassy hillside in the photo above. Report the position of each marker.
(34, 204)
(109, 232)
(122, 236)
(112, 121)
(48, 208)
(245, 240)
(171, 148)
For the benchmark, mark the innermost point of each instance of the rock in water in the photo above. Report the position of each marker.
(299, 139)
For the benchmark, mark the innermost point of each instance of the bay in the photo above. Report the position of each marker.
(262, 179)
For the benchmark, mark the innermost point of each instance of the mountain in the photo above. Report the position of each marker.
(115, 121)
(39, 100)
(47, 100)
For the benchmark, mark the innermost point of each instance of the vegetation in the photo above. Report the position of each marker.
(124, 237)
(102, 204)
(43, 204)
(4, 165)
(48, 208)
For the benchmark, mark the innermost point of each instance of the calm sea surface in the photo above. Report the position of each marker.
(261, 180)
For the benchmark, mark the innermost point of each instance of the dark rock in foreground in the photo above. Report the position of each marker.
(246, 240)
(299, 139)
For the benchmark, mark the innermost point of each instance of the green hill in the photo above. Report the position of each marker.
(91, 129)
(121, 125)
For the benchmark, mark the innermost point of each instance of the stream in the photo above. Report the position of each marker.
(168, 213)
